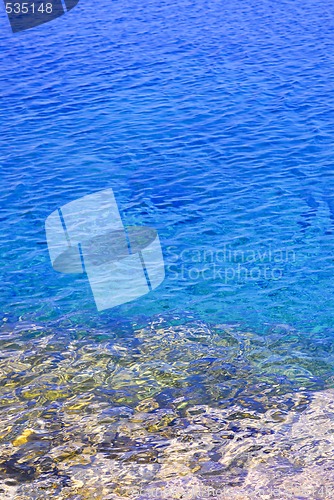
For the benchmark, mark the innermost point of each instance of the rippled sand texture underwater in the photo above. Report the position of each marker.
(213, 123)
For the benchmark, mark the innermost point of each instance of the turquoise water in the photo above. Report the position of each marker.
(213, 123)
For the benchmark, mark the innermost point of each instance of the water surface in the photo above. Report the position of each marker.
(213, 123)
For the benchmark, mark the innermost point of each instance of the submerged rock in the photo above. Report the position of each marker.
(173, 412)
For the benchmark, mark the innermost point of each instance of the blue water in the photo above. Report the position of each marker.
(212, 121)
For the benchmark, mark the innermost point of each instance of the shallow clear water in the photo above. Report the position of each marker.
(212, 121)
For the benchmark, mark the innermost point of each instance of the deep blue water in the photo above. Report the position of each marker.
(213, 123)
